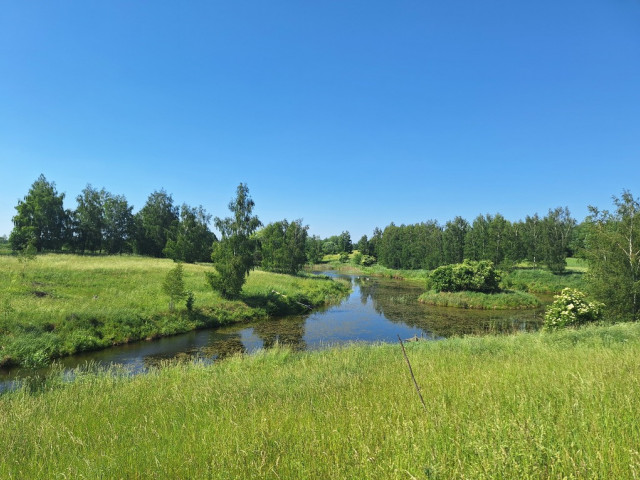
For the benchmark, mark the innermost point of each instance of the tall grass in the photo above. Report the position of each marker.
(533, 406)
(61, 304)
(481, 301)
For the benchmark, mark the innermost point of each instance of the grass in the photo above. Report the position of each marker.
(59, 304)
(527, 406)
(482, 301)
(540, 280)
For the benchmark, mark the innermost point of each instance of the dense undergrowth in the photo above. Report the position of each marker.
(58, 304)
(529, 406)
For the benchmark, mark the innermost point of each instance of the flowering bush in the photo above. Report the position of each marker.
(571, 308)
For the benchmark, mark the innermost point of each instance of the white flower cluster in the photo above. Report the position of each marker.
(571, 308)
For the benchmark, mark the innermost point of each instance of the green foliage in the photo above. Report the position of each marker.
(356, 259)
(571, 309)
(41, 219)
(313, 249)
(234, 255)
(154, 222)
(282, 245)
(466, 276)
(367, 260)
(344, 257)
(119, 225)
(481, 301)
(557, 228)
(190, 240)
(173, 285)
(613, 252)
(88, 219)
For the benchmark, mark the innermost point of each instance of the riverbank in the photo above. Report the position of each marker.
(58, 305)
(537, 406)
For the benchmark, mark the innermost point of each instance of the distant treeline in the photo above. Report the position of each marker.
(428, 245)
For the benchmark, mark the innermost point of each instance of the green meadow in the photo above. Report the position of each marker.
(528, 406)
(60, 304)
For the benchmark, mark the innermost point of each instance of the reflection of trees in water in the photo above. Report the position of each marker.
(398, 302)
(285, 331)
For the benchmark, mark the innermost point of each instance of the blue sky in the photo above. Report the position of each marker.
(348, 114)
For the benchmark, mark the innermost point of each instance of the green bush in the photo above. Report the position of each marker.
(357, 258)
(469, 275)
(368, 260)
(571, 308)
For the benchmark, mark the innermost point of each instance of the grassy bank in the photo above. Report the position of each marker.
(62, 304)
(529, 406)
(510, 300)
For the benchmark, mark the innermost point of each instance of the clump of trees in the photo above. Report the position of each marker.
(283, 246)
(470, 275)
(613, 252)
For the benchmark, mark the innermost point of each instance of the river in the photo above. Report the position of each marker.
(377, 310)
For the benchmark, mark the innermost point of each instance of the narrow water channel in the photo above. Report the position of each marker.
(377, 310)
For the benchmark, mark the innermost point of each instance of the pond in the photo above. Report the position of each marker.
(377, 310)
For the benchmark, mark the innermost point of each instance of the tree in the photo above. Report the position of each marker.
(344, 242)
(89, 219)
(613, 253)
(233, 256)
(41, 219)
(313, 249)
(532, 239)
(557, 228)
(363, 245)
(119, 224)
(282, 245)
(173, 285)
(154, 221)
(190, 240)
(453, 238)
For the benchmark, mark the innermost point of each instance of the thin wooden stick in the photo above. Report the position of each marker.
(411, 372)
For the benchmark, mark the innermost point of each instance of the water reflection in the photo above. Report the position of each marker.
(377, 310)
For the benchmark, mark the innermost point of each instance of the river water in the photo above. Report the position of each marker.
(377, 310)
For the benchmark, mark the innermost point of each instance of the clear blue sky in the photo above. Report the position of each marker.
(348, 114)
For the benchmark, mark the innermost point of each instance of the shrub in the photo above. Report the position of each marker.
(571, 308)
(344, 257)
(368, 260)
(357, 258)
(466, 276)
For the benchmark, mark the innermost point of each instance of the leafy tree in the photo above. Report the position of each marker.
(453, 238)
(532, 239)
(557, 228)
(119, 224)
(357, 258)
(613, 253)
(89, 219)
(313, 249)
(191, 240)
(476, 242)
(153, 223)
(374, 242)
(283, 246)
(41, 219)
(329, 247)
(173, 285)
(233, 255)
